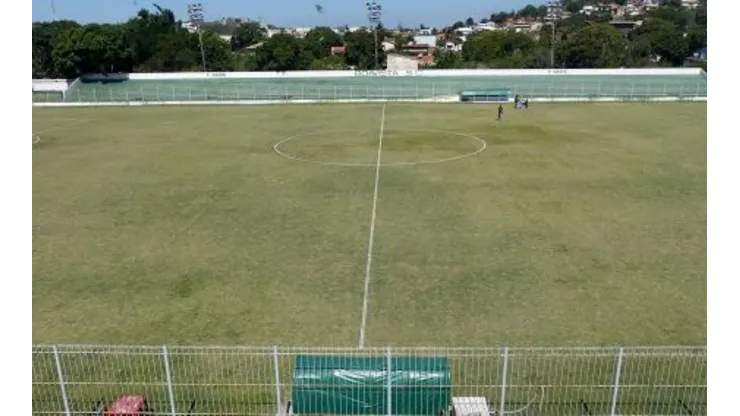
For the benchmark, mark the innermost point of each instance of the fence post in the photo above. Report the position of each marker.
(617, 375)
(389, 387)
(168, 374)
(62, 383)
(276, 364)
(504, 374)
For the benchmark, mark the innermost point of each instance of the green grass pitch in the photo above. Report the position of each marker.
(575, 225)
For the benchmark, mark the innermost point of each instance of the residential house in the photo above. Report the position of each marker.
(388, 46)
(589, 9)
(300, 32)
(465, 31)
(427, 40)
(486, 26)
(338, 50)
(625, 26)
(454, 47)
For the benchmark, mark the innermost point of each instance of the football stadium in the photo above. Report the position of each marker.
(455, 242)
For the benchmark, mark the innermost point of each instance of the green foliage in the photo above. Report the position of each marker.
(595, 46)
(247, 34)
(155, 41)
(489, 46)
(445, 59)
(666, 40)
(328, 63)
(320, 40)
(282, 52)
(360, 51)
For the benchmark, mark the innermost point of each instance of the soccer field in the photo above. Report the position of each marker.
(397, 224)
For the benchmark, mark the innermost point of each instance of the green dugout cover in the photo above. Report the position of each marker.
(359, 385)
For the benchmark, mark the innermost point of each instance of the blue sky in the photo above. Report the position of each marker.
(287, 12)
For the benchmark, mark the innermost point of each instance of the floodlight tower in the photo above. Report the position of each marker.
(553, 15)
(374, 11)
(53, 11)
(196, 19)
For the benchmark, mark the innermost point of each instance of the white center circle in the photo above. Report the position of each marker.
(480, 143)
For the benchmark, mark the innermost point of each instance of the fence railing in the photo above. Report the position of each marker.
(73, 380)
(437, 91)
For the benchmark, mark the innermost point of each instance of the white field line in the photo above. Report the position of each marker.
(371, 239)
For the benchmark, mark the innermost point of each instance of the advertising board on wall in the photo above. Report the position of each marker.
(388, 73)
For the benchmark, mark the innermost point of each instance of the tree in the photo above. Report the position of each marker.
(444, 59)
(216, 51)
(573, 6)
(328, 63)
(498, 47)
(400, 41)
(529, 11)
(282, 52)
(319, 41)
(469, 21)
(91, 49)
(44, 36)
(247, 34)
(679, 16)
(458, 25)
(666, 40)
(596, 46)
(360, 50)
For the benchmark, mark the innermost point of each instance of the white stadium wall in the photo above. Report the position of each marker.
(394, 73)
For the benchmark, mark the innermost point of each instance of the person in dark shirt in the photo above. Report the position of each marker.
(526, 103)
(500, 111)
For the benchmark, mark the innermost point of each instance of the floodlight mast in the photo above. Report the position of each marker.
(554, 10)
(374, 11)
(196, 19)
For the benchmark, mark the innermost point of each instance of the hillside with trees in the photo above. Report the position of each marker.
(154, 41)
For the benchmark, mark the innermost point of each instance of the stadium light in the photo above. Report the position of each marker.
(53, 11)
(374, 11)
(553, 15)
(196, 19)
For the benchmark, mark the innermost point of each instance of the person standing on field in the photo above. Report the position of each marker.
(500, 111)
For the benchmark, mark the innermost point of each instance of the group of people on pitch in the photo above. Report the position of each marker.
(518, 104)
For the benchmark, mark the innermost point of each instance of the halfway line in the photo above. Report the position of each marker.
(371, 239)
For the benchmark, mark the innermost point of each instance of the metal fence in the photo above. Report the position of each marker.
(73, 380)
(408, 91)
